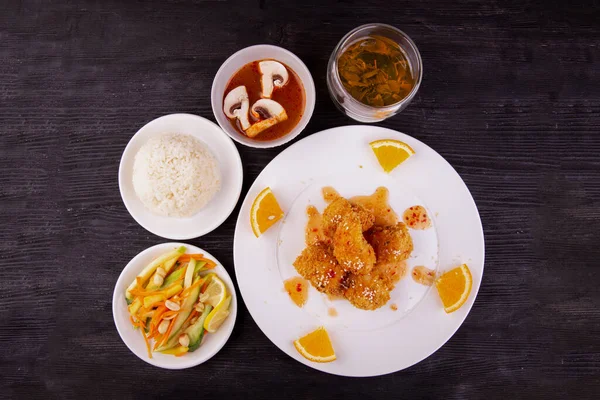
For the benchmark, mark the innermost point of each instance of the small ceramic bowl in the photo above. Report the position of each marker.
(217, 210)
(255, 53)
(211, 344)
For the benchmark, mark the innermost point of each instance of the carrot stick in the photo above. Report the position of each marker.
(187, 257)
(167, 333)
(168, 314)
(198, 257)
(206, 283)
(147, 345)
(157, 343)
(143, 293)
(157, 317)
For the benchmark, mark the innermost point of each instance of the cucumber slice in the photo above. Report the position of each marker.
(172, 277)
(189, 273)
(199, 267)
(184, 313)
(196, 331)
(150, 268)
(167, 266)
(150, 301)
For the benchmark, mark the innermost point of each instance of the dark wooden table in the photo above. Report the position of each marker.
(510, 97)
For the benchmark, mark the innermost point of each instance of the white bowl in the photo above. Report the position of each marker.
(255, 53)
(217, 210)
(212, 343)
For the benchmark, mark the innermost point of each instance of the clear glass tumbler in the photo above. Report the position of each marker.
(348, 104)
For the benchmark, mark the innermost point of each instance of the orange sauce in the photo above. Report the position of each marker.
(330, 194)
(423, 275)
(297, 288)
(416, 217)
(314, 231)
(378, 204)
(290, 96)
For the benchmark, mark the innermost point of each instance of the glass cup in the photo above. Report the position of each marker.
(348, 104)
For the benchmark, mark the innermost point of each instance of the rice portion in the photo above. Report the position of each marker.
(175, 175)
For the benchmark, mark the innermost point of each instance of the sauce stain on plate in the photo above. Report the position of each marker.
(423, 275)
(297, 289)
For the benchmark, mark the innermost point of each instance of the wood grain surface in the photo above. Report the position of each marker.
(510, 97)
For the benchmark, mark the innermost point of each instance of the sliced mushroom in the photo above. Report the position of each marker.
(267, 108)
(274, 74)
(236, 105)
(270, 112)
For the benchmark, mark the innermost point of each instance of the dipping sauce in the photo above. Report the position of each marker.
(375, 71)
(416, 217)
(297, 288)
(290, 96)
(378, 204)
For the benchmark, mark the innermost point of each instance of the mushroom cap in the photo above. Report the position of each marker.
(273, 74)
(235, 100)
(267, 108)
(237, 104)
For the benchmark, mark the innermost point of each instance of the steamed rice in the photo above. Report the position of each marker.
(175, 175)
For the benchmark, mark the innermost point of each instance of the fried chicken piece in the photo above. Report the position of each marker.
(318, 264)
(371, 291)
(340, 207)
(350, 248)
(390, 273)
(367, 292)
(391, 243)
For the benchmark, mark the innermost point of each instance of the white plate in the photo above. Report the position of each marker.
(133, 339)
(367, 343)
(217, 210)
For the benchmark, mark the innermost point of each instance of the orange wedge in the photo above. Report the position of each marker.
(390, 153)
(316, 346)
(454, 287)
(265, 212)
